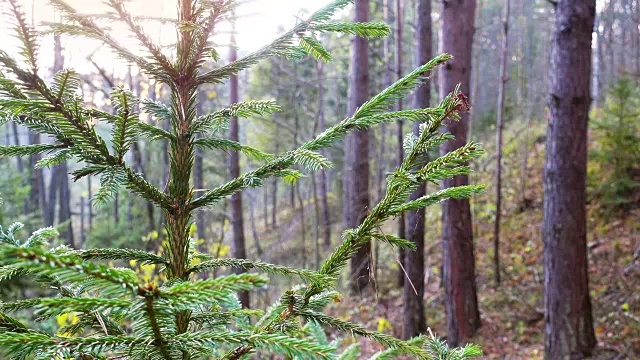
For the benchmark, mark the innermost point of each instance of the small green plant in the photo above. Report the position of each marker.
(614, 179)
(119, 314)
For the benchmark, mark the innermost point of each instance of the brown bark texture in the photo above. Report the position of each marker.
(568, 319)
(499, 128)
(415, 322)
(356, 179)
(237, 220)
(461, 301)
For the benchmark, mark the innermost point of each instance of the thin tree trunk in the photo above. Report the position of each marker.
(83, 234)
(461, 300)
(356, 179)
(116, 208)
(499, 127)
(529, 102)
(415, 322)
(303, 227)
(237, 221)
(568, 319)
(89, 197)
(473, 116)
(400, 131)
(254, 229)
(316, 209)
(135, 87)
(16, 140)
(265, 205)
(274, 194)
(326, 221)
(198, 182)
(382, 159)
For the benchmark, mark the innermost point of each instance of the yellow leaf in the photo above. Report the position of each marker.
(383, 325)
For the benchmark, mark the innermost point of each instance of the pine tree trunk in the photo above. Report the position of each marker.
(461, 301)
(134, 85)
(265, 207)
(415, 322)
(237, 221)
(326, 222)
(499, 127)
(198, 182)
(568, 319)
(400, 132)
(274, 194)
(303, 225)
(37, 194)
(356, 179)
(254, 230)
(16, 140)
(89, 197)
(316, 232)
(530, 100)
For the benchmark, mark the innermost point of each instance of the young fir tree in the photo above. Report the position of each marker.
(186, 316)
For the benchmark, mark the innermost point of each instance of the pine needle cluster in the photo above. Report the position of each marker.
(189, 316)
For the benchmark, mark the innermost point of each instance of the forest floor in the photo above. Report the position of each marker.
(512, 315)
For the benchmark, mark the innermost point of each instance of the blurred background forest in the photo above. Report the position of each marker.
(296, 224)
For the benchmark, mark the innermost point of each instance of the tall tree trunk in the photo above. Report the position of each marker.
(265, 205)
(461, 300)
(415, 322)
(64, 211)
(198, 182)
(274, 194)
(254, 230)
(237, 221)
(326, 222)
(400, 132)
(382, 158)
(316, 232)
(356, 179)
(16, 140)
(116, 208)
(89, 197)
(303, 225)
(499, 127)
(37, 195)
(135, 86)
(531, 99)
(473, 116)
(568, 320)
(83, 234)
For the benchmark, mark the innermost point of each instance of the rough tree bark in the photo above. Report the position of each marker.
(415, 322)
(568, 320)
(356, 179)
(499, 127)
(237, 221)
(461, 301)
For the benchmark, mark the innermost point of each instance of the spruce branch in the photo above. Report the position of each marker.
(140, 256)
(357, 330)
(283, 45)
(364, 118)
(304, 274)
(70, 268)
